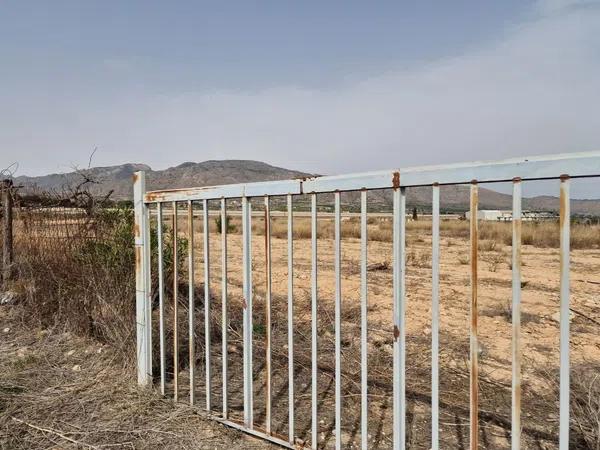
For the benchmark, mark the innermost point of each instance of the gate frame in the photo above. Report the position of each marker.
(561, 167)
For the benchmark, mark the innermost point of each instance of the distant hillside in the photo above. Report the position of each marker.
(119, 178)
(207, 173)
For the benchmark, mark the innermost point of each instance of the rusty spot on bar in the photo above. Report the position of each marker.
(396, 180)
(563, 219)
(138, 259)
(563, 206)
(266, 241)
(244, 304)
(154, 196)
(135, 177)
(136, 229)
(516, 180)
(396, 333)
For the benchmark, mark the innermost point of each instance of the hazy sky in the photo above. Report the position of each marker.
(326, 87)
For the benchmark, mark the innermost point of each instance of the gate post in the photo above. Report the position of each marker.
(7, 244)
(143, 298)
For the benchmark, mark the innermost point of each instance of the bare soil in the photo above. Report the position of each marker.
(540, 337)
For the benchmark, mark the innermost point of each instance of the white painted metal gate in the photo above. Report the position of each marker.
(561, 168)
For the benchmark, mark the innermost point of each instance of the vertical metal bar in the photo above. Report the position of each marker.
(565, 227)
(161, 301)
(142, 265)
(290, 238)
(247, 327)
(175, 309)
(147, 255)
(314, 331)
(399, 350)
(225, 312)
(191, 303)
(435, 317)
(338, 325)
(474, 371)
(207, 318)
(516, 316)
(364, 401)
(268, 310)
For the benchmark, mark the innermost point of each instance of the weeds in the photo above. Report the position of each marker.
(463, 260)
(229, 227)
(493, 261)
(78, 271)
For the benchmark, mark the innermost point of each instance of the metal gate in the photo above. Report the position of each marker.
(562, 168)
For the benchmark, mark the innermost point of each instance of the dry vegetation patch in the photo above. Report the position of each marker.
(61, 391)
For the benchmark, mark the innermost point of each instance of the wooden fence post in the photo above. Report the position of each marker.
(7, 241)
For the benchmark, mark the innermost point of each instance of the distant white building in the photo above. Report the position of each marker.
(500, 215)
(491, 214)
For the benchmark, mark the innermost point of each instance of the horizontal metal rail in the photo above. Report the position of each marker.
(558, 167)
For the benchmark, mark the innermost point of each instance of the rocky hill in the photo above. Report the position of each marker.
(118, 180)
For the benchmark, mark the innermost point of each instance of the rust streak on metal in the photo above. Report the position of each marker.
(396, 333)
(267, 225)
(267, 255)
(157, 196)
(175, 312)
(396, 180)
(136, 229)
(563, 205)
(135, 177)
(191, 307)
(244, 303)
(138, 259)
(474, 375)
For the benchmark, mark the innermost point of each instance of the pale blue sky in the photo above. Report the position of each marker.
(178, 46)
(325, 87)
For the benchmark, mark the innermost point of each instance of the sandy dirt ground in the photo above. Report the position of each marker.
(540, 336)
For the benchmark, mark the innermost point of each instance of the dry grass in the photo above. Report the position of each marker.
(585, 406)
(58, 390)
(492, 235)
(77, 272)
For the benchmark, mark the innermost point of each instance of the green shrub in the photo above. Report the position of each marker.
(228, 225)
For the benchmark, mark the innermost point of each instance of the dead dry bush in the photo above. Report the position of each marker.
(585, 406)
(77, 270)
(58, 390)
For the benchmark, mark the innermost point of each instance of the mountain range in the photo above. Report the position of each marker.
(118, 179)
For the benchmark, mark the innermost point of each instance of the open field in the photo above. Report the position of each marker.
(539, 326)
(77, 275)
